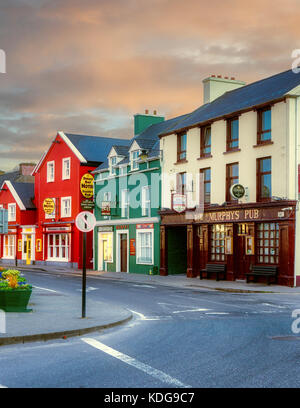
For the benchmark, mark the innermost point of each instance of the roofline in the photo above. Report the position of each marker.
(72, 147)
(228, 115)
(14, 194)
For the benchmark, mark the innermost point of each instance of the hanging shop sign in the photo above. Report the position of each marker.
(237, 191)
(87, 205)
(179, 202)
(105, 229)
(49, 206)
(105, 208)
(87, 185)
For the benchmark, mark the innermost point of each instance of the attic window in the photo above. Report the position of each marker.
(134, 159)
(113, 162)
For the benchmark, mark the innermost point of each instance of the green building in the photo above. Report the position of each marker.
(127, 196)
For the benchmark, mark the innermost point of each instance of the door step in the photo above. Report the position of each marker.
(241, 280)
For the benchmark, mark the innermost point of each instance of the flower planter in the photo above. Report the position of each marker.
(15, 300)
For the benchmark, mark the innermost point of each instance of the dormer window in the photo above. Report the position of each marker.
(113, 162)
(134, 159)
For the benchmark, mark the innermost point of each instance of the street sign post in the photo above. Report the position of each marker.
(3, 221)
(85, 222)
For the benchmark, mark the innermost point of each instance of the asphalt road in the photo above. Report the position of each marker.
(178, 338)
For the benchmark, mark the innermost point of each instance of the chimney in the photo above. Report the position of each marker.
(215, 86)
(26, 168)
(143, 121)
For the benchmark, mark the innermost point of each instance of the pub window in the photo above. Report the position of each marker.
(267, 243)
(232, 142)
(205, 142)
(207, 184)
(217, 242)
(264, 182)
(264, 132)
(232, 177)
(181, 147)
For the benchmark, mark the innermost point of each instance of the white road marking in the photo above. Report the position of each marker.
(49, 290)
(143, 317)
(153, 372)
(89, 289)
(217, 313)
(144, 286)
(191, 310)
(279, 307)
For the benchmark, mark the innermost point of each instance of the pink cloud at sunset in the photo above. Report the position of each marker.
(88, 67)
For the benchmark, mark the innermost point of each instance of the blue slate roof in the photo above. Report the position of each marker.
(257, 93)
(15, 176)
(94, 148)
(26, 193)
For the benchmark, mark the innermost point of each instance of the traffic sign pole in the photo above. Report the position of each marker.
(85, 222)
(83, 314)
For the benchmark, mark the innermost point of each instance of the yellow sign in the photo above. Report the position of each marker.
(49, 205)
(87, 185)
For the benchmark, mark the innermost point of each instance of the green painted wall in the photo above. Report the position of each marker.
(141, 122)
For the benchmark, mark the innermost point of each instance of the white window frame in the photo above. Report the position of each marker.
(146, 204)
(50, 175)
(134, 160)
(59, 246)
(12, 215)
(112, 162)
(63, 207)
(66, 168)
(9, 246)
(123, 170)
(138, 248)
(125, 203)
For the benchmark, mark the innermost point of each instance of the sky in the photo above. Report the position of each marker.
(88, 66)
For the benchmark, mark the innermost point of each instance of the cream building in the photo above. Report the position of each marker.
(247, 135)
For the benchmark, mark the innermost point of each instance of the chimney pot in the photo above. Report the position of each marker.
(213, 76)
(154, 112)
(146, 111)
(219, 76)
(226, 77)
(233, 78)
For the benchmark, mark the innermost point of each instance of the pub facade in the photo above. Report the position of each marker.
(246, 137)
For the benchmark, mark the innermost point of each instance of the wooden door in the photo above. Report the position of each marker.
(123, 247)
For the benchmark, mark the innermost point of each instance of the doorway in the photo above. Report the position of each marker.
(122, 250)
(242, 260)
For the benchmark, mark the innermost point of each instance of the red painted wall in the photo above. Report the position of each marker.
(62, 188)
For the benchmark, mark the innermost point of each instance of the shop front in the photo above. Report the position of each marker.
(239, 236)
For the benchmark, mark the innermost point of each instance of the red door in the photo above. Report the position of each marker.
(123, 240)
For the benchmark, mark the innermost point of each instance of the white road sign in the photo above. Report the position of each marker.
(85, 221)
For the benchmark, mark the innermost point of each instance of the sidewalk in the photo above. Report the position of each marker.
(55, 315)
(179, 281)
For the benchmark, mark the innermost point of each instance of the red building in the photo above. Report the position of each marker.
(57, 177)
(18, 245)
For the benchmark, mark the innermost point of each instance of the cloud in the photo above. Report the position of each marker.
(89, 67)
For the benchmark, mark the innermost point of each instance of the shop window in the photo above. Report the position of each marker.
(217, 242)
(58, 247)
(9, 246)
(267, 243)
(107, 242)
(205, 141)
(144, 247)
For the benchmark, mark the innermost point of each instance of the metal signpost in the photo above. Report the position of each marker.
(85, 222)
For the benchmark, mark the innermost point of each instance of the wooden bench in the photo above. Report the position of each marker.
(214, 268)
(269, 271)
